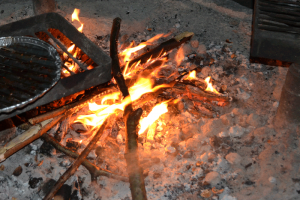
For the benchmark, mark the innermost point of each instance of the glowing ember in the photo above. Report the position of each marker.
(155, 113)
(209, 86)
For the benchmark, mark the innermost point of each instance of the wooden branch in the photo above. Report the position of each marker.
(135, 172)
(116, 71)
(162, 48)
(77, 163)
(60, 111)
(197, 94)
(27, 137)
(93, 169)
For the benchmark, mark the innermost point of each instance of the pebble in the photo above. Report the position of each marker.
(170, 149)
(177, 25)
(236, 131)
(18, 171)
(204, 157)
(228, 197)
(119, 139)
(201, 49)
(212, 178)
(254, 120)
(195, 43)
(276, 104)
(187, 49)
(206, 70)
(272, 179)
(233, 158)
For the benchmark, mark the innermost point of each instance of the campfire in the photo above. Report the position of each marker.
(166, 114)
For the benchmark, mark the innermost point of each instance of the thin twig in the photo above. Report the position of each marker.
(93, 169)
(76, 163)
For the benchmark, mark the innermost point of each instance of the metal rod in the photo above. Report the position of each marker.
(82, 66)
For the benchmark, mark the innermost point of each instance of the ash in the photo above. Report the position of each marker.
(233, 154)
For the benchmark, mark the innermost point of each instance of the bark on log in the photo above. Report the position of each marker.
(72, 169)
(27, 137)
(163, 47)
(93, 169)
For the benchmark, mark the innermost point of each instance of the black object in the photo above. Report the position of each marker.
(246, 3)
(29, 67)
(288, 111)
(71, 84)
(276, 30)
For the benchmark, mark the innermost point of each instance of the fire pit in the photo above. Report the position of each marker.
(192, 143)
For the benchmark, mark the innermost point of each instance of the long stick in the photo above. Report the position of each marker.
(77, 163)
(135, 172)
(162, 48)
(93, 169)
(27, 137)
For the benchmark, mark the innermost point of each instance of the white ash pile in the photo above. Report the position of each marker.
(218, 152)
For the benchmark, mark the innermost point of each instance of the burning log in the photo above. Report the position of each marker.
(162, 48)
(135, 172)
(93, 169)
(77, 162)
(27, 137)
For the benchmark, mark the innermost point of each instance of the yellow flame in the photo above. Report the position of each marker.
(192, 75)
(75, 15)
(209, 86)
(113, 96)
(155, 113)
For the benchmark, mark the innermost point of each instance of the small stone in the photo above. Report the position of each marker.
(201, 49)
(199, 163)
(177, 25)
(206, 193)
(156, 175)
(212, 178)
(212, 127)
(205, 71)
(223, 134)
(188, 154)
(120, 139)
(228, 197)
(170, 149)
(180, 106)
(65, 163)
(204, 157)
(195, 43)
(191, 144)
(18, 171)
(237, 111)
(233, 158)
(35, 182)
(254, 120)
(187, 49)
(276, 104)
(272, 179)
(236, 131)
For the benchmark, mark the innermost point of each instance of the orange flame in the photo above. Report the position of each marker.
(102, 111)
(179, 56)
(192, 75)
(155, 113)
(209, 86)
